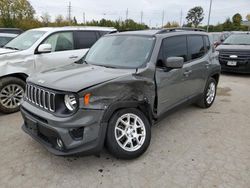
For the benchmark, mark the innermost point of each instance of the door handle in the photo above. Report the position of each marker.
(187, 73)
(73, 57)
(207, 65)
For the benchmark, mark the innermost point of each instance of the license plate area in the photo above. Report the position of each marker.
(31, 125)
(232, 63)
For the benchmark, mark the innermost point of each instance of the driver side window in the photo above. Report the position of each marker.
(60, 41)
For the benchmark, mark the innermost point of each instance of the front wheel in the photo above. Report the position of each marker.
(11, 93)
(209, 94)
(128, 134)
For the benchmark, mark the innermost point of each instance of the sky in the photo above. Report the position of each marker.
(152, 12)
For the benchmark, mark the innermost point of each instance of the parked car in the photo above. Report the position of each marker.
(5, 38)
(38, 50)
(234, 53)
(125, 83)
(11, 30)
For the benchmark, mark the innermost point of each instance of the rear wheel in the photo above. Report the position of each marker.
(128, 134)
(209, 94)
(11, 93)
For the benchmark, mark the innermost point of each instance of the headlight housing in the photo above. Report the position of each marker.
(70, 102)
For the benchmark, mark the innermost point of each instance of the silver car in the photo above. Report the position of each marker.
(38, 50)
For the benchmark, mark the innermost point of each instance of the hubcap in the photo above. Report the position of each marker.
(211, 93)
(11, 96)
(130, 132)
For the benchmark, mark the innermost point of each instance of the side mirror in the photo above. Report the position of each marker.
(174, 62)
(44, 48)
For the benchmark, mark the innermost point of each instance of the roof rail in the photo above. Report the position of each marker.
(167, 30)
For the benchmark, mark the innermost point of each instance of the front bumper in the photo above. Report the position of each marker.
(241, 67)
(46, 128)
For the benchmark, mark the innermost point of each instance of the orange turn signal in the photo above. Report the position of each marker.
(86, 99)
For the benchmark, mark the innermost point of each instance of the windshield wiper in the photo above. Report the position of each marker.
(12, 48)
(242, 44)
(106, 66)
(226, 44)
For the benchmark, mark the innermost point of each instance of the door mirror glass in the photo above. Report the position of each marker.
(174, 62)
(44, 48)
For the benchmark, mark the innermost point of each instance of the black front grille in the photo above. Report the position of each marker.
(239, 56)
(40, 97)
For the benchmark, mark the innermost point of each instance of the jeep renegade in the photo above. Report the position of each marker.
(124, 84)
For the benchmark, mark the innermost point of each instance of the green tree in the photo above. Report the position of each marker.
(237, 19)
(195, 16)
(46, 18)
(171, 24)
(13, 12)
(248, 17)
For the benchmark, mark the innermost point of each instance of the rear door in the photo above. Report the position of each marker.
(195, 70)
(172, 88)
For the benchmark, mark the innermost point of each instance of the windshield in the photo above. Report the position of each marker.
(121, 51)
(25, 40)
(238, 39)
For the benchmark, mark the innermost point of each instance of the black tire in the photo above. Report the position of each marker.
(5, 82)
(203, 101)
(112, 144)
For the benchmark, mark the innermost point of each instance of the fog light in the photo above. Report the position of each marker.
(59, 143)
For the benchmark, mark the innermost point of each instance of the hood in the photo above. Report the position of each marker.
(76, 77)
(233, 47)
(6, 51)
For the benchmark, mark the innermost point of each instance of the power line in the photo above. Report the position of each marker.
(84, 18)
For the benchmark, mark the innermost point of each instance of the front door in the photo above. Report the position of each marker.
(63, 52)
(171, 84)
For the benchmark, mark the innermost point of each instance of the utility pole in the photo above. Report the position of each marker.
(208, 21)
(84, 19)
(181, 18)
(126, 21)
(69, 11)
(162, 21)
(141, 17)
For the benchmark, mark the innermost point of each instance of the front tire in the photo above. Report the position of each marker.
(11, 93)
(209, 94)
(128, 134)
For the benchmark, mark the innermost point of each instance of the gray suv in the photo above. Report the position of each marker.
(122, 86)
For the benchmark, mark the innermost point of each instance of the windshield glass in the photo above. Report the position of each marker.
(25, 40)
(121, 51)
(4, 40)
(238, 39)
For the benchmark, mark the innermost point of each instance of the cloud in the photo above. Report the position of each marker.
(152, 9)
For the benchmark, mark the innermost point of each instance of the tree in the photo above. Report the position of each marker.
(237, 19)
(59, 19)
(195, 16)
(13, 12)
(46, 18)
(248, 17)
(171, 24)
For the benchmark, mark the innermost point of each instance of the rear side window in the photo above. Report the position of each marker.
(195, 47)
(175, 47)
(207, 43)
(85, 39)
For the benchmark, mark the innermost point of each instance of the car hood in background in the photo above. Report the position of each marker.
(233, 47)
(6, 51)
(76, 77)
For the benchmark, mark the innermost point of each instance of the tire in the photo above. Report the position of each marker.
(11, 93)
(204, 102)
(130, 133)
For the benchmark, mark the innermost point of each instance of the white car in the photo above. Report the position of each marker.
(38, 50)
(6, 37)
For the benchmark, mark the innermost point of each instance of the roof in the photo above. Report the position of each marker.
(70, 28)
(8, 35)
(154, 32)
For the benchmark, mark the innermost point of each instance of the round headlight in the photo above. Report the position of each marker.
(70, 102)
